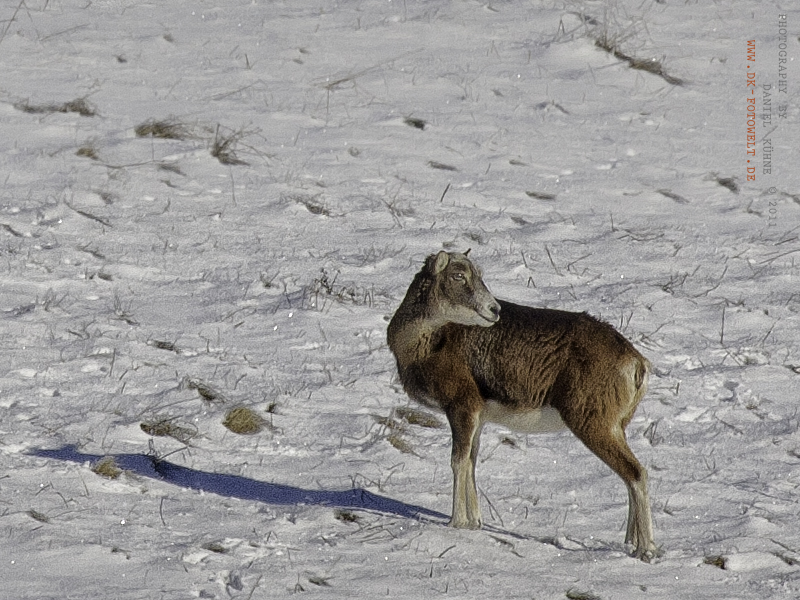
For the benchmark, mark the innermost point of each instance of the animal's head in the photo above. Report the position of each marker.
(459, 294)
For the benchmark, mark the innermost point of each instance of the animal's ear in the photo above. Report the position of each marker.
(442, 259)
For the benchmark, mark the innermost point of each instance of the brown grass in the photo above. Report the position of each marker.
(88, 151)
(654, 66)
(345, 516)
(716, 561)
(395, 431)
(207, 393)
(223, 148)
(166, 428)
(217, 547)
(314, 206)
(244, 421)
(80, 106)
(413, 416)
(107, 467)
(540, 195)
(414, 122)
(37, 516)
(167, 129)
(433, 164)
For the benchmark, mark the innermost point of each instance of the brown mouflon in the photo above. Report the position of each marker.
(530, 369)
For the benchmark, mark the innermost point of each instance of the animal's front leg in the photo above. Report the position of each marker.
(466, 428)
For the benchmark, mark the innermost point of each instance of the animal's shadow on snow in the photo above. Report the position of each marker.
(244, 488)
(235, 486)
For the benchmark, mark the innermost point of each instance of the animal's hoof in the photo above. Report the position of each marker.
(463, 524)
(648, 553)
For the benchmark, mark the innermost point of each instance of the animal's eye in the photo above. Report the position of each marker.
(458, 277)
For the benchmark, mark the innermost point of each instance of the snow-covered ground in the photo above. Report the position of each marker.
(149, 287)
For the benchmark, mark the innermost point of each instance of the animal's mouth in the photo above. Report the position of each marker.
(491, 318)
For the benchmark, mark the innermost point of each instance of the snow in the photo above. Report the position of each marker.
(140, 273)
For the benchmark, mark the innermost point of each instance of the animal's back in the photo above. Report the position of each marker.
(532, 356)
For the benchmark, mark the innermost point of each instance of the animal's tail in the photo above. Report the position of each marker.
(641, 376)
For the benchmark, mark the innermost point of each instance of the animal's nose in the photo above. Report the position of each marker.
(495, 310)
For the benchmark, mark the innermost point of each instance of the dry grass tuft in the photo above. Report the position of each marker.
(320, 581)
(223, 148)
(314, 206)
(673, 196)
(88, 150)
(413, 416)
(652, 65)
(164, 345)
(167, 129)
(433, 164)
(80, 106)
(118, 550)
(540, 195)
(395, 430)
(716, 561)
(166, 428)
(107, 467)
(37, 516)
(244, 421)
(508, 441)
(728, 183)
(414, 122)
(397, 440)
(223, 145)
(170, 167)
(345, 516)
(207, 393)
(324, 287)
(217, 547)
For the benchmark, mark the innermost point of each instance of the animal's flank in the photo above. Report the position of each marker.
(482, 360)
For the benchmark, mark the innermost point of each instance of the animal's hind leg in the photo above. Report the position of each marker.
(466, 430)
(640, 524)
(612, 448)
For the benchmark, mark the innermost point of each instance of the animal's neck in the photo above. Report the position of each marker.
(416, 339)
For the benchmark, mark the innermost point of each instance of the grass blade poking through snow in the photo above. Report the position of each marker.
(224, 147)
(654, 66)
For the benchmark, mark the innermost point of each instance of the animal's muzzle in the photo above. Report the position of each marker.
(490, 312)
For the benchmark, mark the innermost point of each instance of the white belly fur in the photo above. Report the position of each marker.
(540, 420)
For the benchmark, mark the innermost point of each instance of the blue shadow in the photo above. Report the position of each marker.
(234, 486)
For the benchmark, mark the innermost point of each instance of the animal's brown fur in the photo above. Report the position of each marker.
(453, 352)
